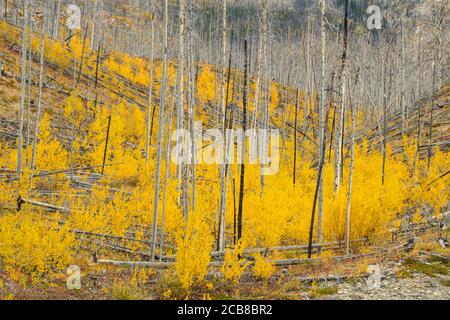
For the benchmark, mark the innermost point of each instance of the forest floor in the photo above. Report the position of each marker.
(417, 287)
(401, 285)
(418, 275)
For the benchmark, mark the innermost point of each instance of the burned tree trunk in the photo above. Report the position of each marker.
(244, 127)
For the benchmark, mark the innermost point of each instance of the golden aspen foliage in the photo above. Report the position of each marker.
(205, 85)
(116, 65)
(55, 52)
(233, 267)
(102, 213)
(431, 188)
(193, 254)
(33, 245)
(274, 97)
(77, 45)
(74, 108)
(263, 268)
(8, 156)
(8, 196)
(50, 154)
(10, 33)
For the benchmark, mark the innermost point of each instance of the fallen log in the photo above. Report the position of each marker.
(116, 248)
(51, 207)
(338, 277)
(100, 235)
(297, 248)
(278, 263)
(329, 278)
(137, 264)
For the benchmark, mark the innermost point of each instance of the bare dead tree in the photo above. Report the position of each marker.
(160, 131)
(105, 150)
(341, 110)
(166, 178)
(294, 169)
(430, 132)
(151, 108)
(316, 194)
(182, 167)
(352, 166)
(223, 178)
(5, 13)
(385, 119)
(56, 20)
(321, 121)
(30, 80)
(244, 127)
(263, 108)
(94, 21)
(39, 103)
(96, 73)
(192, 80)
(22, 88)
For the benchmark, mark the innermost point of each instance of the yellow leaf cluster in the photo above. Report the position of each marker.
(233, 267)
(33, 245)
(193, 255)
(263, 267)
